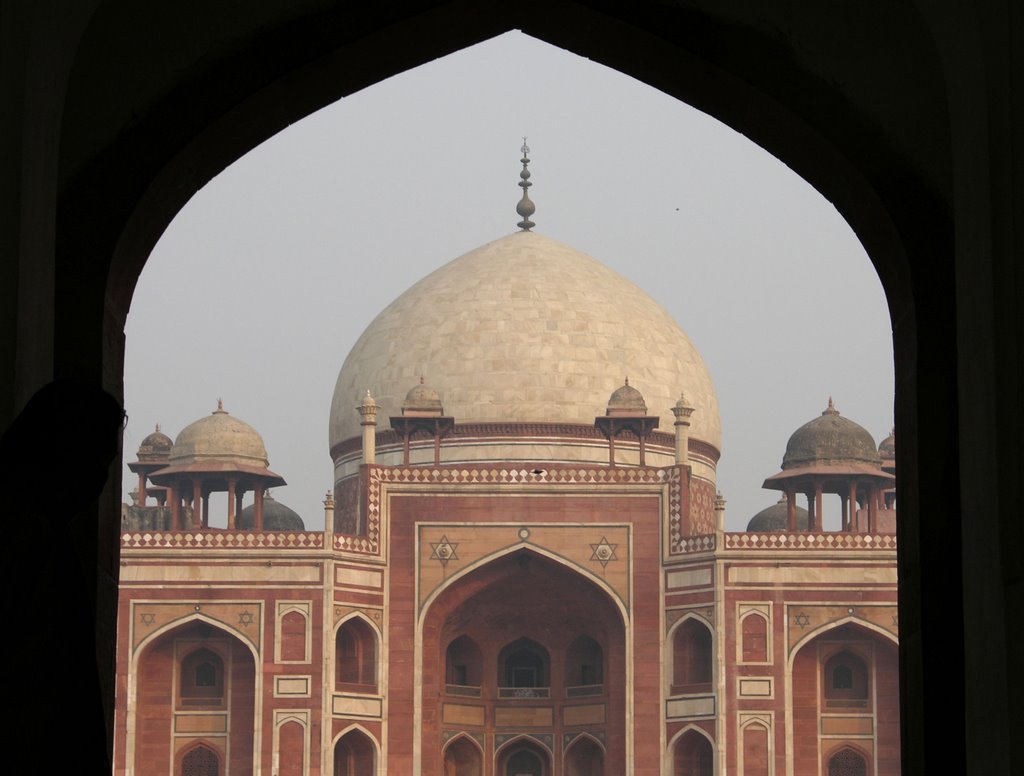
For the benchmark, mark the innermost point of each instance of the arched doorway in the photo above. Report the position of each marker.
(845, 679)
(463, 757)
(692, 755)
(523, 758)
(532, 660)
(209, 677)
(584, 758)
(355, 755)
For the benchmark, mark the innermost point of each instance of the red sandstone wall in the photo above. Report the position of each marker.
(154, 709)
(243, 704)
(888, 708)
(645, 515)
(805, 712)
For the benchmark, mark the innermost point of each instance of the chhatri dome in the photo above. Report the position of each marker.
(524, 329)
(219, 437)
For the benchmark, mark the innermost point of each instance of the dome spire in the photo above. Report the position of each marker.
(525, 208)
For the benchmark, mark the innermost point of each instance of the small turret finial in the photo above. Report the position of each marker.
(158, 427)
(220, 408)
(525, 208)
(831, 408)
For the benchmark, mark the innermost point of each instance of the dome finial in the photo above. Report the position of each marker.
(157, 428)
(525, 208)
(831, 408)
(220, 408)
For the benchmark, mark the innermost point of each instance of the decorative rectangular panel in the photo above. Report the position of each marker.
(200, 723)
(526, 716)
(458, 714)
(359, 577)
(691, 578)
(592, 714)
(352, 706)
(291, 686)
(755, 688)
(846, 726)
(691, 707)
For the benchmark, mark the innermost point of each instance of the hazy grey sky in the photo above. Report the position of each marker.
(263, 282)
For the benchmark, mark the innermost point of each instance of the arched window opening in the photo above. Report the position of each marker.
(462, 758)
(691, 658)
(523, 667)
(524, 762)
(201, 681)
(692, 756)
(355, 652)
(201, 761)
(584, 758)
(847, 762)
(354, 755)
(755, 639)
(845, 681)
(293, 636)
(463, 667)
(584, 668)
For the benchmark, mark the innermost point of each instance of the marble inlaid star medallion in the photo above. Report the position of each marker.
(443, 550)
(603, 552)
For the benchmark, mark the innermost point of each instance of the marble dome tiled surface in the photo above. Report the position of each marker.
(524, 329)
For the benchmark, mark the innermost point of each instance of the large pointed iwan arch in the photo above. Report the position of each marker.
(225, 663)
(523, 652)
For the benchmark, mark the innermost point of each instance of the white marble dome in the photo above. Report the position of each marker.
(524, 329)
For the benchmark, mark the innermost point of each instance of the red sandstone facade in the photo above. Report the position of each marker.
(495, 618)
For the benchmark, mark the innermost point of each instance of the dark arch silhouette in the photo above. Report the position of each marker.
(909, 143)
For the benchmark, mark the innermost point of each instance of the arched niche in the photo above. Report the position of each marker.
(356, 656)
(201, 678)
(490, 605)
(754, 638)
(692, 754)
(692, 657)
(584, 665)
(847, 761)
(845, 680)
(865, 662)
(523, 665)
(463, 757)
(463, 666)
(180, 663)
(584, 757)
(523, 757)
(200, 760)
(355, 754)
(292, 648)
